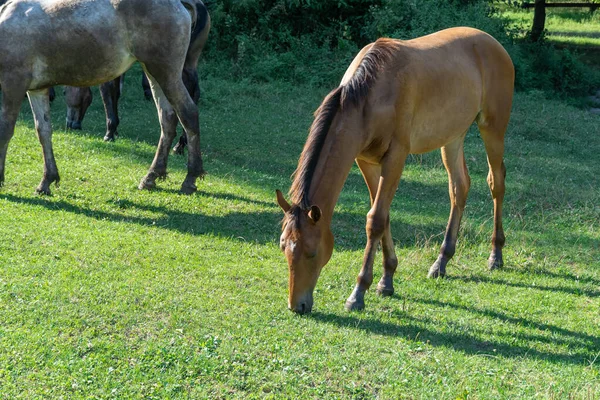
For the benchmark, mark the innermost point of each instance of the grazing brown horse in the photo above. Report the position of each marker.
(88, 42)
(79, 98)
(397, 98)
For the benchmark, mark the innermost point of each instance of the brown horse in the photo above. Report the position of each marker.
(78, 99)
(397, 98)
(88, 42)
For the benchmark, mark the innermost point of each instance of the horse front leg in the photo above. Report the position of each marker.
(9, 111)
(110, 92)
(168, 126)
(371, 173)
(40, 105)
(392, 166)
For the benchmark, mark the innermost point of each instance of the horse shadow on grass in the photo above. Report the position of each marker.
(505, 282)
(582, 347)
(256, 226)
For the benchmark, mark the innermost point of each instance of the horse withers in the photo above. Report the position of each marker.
(397, 98)
(88, 42)
(79, 98)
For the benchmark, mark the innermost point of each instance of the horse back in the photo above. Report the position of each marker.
(434, 87)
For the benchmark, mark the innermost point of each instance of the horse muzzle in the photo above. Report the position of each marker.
(303, 304)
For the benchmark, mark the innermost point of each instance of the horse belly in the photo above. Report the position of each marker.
(436, 128)
(78, 69)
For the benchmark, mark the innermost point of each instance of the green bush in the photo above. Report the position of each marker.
(313, 41)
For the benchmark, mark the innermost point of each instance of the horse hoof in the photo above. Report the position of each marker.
(188, 189)
(385, 291)
(43, 191)
(146, 185)
(178, 149)
(495, 263)
(108, 138)
(354, 305)
(437, 270)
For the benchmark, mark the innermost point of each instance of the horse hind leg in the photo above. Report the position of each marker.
(110, 92)
(459, 183)
(171, 84)
(492, 132)
(40, 105)
(168, 126)
(12, 97)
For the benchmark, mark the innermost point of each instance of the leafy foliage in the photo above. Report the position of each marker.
(308, 41)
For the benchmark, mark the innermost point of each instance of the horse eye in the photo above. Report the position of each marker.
(311, 254)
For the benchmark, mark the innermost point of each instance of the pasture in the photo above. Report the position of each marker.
(110, 292)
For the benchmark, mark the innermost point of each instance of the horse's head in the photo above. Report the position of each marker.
(307, 243)
(78, 100)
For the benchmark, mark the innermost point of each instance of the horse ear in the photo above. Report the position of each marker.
(314, 214)
(285, 206)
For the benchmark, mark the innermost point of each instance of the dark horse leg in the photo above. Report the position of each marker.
(146, 87)
(172, 102)
(459, 183)
(51, 94)
(191, 82)
(12, 97)
(78, 100)
(110, 92)
(40, 105)
(182, 142)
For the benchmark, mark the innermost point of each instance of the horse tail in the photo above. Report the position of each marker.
(199, 33)
(190, 6)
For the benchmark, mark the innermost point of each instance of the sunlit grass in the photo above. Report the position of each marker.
(563, 25)
(109, 292)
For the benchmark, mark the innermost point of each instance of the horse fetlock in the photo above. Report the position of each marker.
(44, 188)
(179, 149)
(148, 182)
(385, 287)
(356, 301)
(495, 261)
(438, 269)
(188, 188)
(110, 136)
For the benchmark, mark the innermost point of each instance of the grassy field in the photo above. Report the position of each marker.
(565, 26)
(109, 292)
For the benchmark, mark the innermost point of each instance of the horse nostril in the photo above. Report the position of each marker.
(303, 307)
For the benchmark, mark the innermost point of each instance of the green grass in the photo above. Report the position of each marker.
(565, 26)
(109, 292)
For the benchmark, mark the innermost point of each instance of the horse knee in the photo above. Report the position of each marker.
(376, 224)
(495, 181)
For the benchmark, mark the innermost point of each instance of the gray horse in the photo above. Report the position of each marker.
(79, 98)
(88, 42)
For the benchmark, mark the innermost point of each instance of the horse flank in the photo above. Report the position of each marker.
(350, 94)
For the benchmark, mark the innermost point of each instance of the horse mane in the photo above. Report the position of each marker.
(350, 94)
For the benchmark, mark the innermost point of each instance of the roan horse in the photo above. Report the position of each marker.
(79, 98)
(88, 42)
(396, 98)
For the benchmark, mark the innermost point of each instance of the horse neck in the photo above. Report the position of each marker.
(335, 162)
